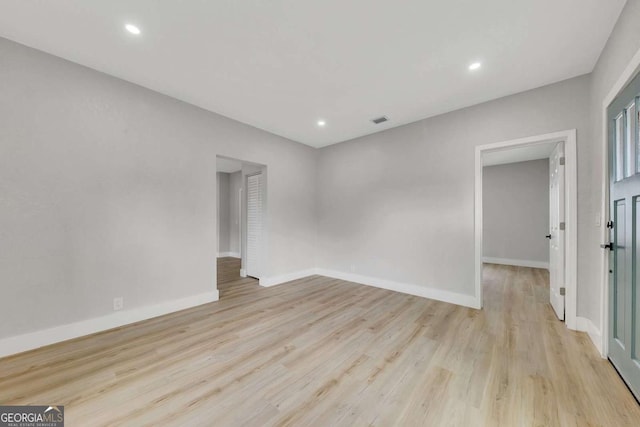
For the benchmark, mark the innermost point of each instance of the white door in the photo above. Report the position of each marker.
(254, 225)
(556, 232)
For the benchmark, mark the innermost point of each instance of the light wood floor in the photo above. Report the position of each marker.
(229, 274)
(323, 352)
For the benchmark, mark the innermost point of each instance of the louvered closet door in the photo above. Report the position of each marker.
(254, 225)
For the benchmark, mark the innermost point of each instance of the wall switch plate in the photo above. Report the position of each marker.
(118, 303)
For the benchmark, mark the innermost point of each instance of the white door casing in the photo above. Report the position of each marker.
(556, 230)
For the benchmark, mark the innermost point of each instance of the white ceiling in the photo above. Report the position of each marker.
(519, 154)
(281, 65)
(227, 165)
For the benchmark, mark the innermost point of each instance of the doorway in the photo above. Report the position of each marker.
(561, 238)
(241, 231)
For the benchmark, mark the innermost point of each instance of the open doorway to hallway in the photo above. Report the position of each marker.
(241, 231)
(516, 232)
(526, 213)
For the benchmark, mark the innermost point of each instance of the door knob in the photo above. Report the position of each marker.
(548, 236)
(607, 246)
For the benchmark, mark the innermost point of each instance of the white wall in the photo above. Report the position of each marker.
(516, 211)
(399, 205)
(109, 189)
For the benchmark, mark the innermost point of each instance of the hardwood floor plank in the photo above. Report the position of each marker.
(321, 351)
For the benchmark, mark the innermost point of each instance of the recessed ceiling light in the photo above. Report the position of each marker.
(475, 66)
(321, 123)
(132, 29)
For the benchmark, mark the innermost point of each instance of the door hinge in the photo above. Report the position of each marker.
(562, 226)
(563, 291)
(561, 161)
(609, 224)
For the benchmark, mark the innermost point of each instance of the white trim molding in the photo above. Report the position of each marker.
(569, 137)
(229, 254)
(516, 262)
(585, 325)
(33, 340)
(405, 288)
(284, 278)
(632, 68)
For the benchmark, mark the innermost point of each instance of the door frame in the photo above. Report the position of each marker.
(631, 70)
(569, 137)
(250, 168)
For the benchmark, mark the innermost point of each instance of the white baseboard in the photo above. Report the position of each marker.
(585, 325)
(516, 262)
(284, 278)
(243, 272)
(229, 254)
(405, 288)
(30, 341)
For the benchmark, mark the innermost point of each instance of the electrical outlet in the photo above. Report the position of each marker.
(352, 267)
(118, 303)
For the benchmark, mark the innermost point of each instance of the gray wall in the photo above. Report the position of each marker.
(622, 45)
(516, 211)
(398, 205)
(235, 184)
(224, 210)
(229, 185)
(109, 189)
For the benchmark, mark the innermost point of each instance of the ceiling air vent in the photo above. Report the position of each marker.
(379, 120)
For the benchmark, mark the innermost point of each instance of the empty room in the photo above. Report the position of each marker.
(338, 213)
